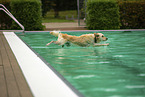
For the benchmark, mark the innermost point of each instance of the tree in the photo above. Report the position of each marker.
(45, 6)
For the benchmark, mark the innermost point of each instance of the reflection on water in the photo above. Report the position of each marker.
(117, 70)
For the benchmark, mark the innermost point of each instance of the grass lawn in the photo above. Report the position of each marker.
(54, 20)
(49, 17)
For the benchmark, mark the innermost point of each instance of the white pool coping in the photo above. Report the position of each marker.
(42, 81)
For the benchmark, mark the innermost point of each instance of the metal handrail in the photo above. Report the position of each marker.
(9, 14)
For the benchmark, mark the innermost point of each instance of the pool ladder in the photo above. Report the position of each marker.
(9, 14)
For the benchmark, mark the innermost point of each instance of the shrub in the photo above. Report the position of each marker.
(132, 14)
(102, 15)
(5, 20)
(28, 13)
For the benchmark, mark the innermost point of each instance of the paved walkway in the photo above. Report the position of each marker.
(64, 26)
(12, 81)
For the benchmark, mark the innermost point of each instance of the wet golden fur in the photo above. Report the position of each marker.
(83, 40)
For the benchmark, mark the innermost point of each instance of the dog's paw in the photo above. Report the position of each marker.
(101, 44)
(48, 44)
(106, 44)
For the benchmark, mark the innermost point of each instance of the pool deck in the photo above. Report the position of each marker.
(12, 81)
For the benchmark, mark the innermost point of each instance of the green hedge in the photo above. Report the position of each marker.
(5, 20)
(132, 14)
(102, 15)
(28, 13)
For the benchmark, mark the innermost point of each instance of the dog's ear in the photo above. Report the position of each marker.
(96, 37)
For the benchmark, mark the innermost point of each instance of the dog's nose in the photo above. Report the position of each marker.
(106, 38)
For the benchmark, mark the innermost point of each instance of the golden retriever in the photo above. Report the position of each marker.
(85, 40)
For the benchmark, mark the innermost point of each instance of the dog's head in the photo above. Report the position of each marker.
(99, 37)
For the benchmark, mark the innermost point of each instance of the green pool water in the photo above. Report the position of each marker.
(117, 70)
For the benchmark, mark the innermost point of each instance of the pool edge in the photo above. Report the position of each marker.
(37, 80)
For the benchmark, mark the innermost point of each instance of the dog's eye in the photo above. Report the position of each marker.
(102, 36)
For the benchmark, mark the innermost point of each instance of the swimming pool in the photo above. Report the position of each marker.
(117, 70)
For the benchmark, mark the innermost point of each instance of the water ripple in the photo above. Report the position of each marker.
(104, 62)
(105, 89)
(141, 74)
(134, 86)
(118, 56)
(84, 76)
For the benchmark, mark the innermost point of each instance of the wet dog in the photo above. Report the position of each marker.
(84, 40)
